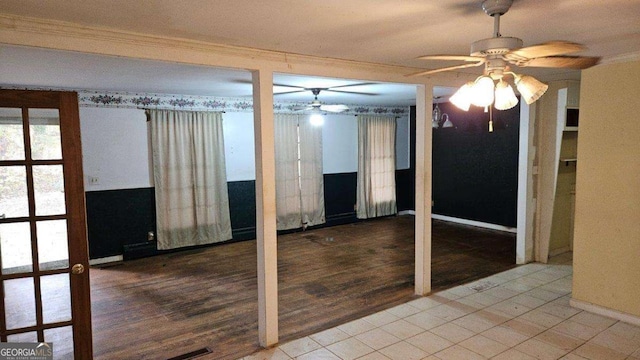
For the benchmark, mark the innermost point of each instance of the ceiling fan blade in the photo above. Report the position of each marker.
(334, 108)
(569, 62)
(348, 85)
(291, 86)
(550, 48)
(352, 92)
(427, 72)
(289, 92)
(451, 57)
(302, 108)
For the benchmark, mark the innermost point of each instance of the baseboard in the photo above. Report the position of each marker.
(559, 251)
(601, 310)
(474, 223)
(407, 212)
(105, 260)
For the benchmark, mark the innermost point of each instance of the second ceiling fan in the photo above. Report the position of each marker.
(317, 104)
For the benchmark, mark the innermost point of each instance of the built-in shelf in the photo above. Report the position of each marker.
(566, 161)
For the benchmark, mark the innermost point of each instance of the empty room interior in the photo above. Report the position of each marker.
(207, 191)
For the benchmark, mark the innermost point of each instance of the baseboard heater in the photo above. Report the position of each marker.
(139, 250)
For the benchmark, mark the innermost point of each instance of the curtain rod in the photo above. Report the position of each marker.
(148, 114)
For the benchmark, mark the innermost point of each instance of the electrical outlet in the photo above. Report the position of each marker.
(433, 203)
(94, 180)
(151, 236)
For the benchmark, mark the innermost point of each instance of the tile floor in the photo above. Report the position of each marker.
(522, 313)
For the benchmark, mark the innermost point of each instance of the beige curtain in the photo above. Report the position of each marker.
(299, 179)
(311, 177)
(376, 194)
(192, 202)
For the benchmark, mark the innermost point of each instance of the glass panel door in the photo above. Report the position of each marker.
(44, 290)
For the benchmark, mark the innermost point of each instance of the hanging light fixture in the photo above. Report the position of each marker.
(483, 92)
(440, 119)
(505, 97)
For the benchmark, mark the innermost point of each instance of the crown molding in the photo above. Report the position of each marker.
(60, 35)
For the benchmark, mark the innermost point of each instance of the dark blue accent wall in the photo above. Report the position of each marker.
(475, 172)
(118, 220)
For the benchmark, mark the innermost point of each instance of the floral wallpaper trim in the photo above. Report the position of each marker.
(190, 102)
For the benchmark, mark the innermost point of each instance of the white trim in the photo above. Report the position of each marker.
(406, 212)
(526, 202)
(474, 223)
(559, 251)
(105, 260)
(604, 311)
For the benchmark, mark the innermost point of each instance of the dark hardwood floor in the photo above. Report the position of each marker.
(169, 305)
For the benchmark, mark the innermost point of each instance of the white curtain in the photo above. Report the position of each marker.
(376, 194)
(311, 177)
(299, 181)
(192, 202)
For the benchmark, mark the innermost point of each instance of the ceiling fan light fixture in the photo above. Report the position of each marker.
(505, 97)
(530, 88)
(462, 98)
(482, 91)
(316, 119)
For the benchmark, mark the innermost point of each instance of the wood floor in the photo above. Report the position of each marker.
(169, 305)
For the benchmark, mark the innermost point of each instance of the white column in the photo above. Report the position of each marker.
(526, 202)
(266, 234)
(424, 103)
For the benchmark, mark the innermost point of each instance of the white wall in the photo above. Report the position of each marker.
(115, 147)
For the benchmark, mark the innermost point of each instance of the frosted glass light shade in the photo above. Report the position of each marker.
(530, 89)
(316, 120)
(505, 97)
(447, 123)
(462, 98)
(482, 94)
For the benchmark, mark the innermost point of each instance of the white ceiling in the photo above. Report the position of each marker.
(381, 31)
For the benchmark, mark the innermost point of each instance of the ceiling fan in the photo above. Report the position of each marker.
(316, 104)
(498, 52)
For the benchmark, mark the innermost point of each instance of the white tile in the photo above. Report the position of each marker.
(505, 336)
(598, 352)
(458, 352)
(356, 327)
(350, 349)
(474, 323)
(329, 336)
(377, 338)
(560, 340)
(528, 301)
(381, 318)
(575, 329)
(595, 321)
(403, 351)
(300, 346)
(402, 329)
(561, 311)
(425, 303)
(501, 293)
(320, 354)
(449, 312)
(541, 318)
(462, 291)
(524, 327)
(452, 332)
(269, 354)
(616, 342)
(374, 356)
(484, 299)
(572, 356)
(425, 320)
(543, 294)
(510, 307)
(484, 346)
(429, 342)
(540, 350)
(513, 354)
(625, 330)
(403, 310)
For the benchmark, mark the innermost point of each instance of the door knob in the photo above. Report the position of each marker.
(77, 269)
